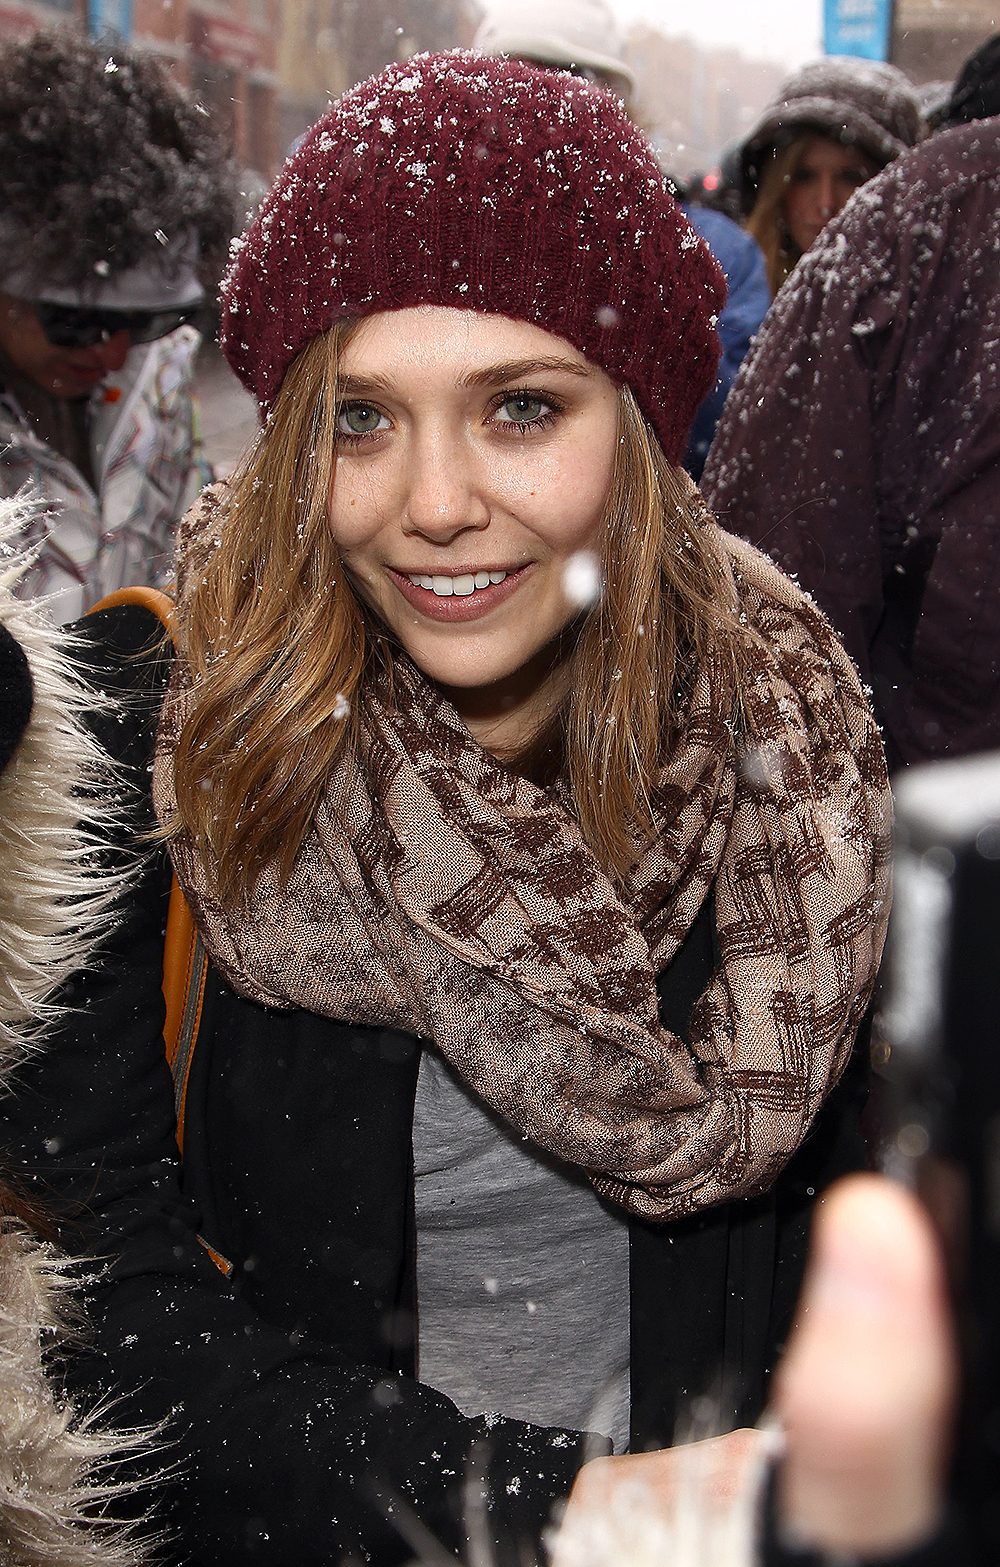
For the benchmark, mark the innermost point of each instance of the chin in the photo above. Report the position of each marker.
(461, 668)
(463, 680)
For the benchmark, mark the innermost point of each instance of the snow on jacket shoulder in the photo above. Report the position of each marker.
(861, 444)
(146, 455)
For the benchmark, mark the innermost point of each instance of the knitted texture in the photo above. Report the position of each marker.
(483, 184)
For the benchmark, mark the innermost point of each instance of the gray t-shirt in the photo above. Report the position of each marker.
(522, 1272)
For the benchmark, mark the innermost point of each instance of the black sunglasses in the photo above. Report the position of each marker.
(72, 326)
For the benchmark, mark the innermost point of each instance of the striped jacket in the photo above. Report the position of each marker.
(146, 453)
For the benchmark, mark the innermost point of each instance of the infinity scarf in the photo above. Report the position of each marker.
(440, 893)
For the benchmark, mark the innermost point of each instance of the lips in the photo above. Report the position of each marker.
(87, 375)
(461, 597)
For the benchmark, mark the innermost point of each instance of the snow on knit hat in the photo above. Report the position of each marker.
(862, 103)
(484, 184)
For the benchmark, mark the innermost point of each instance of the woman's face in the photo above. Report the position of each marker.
(475, 457)
(824, 180)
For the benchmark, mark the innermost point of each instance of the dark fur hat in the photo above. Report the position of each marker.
(100, 157)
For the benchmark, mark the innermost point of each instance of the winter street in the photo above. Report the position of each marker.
(228, 412)
(499, 783)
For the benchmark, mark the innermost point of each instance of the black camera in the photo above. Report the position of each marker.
(938, 1048)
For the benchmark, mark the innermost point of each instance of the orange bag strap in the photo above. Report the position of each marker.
(159, 604)
(185, 967)
(185, 962)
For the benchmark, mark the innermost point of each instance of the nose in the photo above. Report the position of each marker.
(112, 352)
(444, 489)
(827, 197)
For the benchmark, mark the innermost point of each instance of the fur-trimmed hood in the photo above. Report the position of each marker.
(54, 905)
(56, 1466)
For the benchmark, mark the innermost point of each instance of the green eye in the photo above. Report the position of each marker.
(523, 408)
(359, 419)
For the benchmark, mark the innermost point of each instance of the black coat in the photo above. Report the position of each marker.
(300, 1434)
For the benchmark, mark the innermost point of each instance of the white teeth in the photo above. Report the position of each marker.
(460, 587)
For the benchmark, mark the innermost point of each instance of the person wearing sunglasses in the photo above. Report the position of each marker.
(116, 208)
(67, 349)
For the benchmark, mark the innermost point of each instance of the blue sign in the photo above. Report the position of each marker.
(858, 27)
(110, 19)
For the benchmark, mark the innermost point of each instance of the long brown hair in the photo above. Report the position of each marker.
(767, 222)
(277, 642)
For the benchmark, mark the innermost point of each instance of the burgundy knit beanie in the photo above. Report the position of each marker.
(485, 184)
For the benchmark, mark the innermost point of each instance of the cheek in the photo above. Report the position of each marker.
(564, 495)
(586, 488)
(356, 511)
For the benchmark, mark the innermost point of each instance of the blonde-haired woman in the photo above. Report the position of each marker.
(833, 125)
(536, 833)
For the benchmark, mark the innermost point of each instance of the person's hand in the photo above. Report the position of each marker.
(866, 1389)
(692, 1504)
(865, 1395)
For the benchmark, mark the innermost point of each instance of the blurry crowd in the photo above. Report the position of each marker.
(851, 433)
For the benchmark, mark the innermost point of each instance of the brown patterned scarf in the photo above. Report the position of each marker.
(439, 893)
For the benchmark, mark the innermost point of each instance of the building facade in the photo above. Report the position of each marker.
(327, 45)
(263, 69)
(931, 39)
(693, 102)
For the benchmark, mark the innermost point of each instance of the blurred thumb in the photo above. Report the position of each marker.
(866, 1389)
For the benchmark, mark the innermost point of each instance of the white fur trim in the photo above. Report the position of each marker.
(55, 903)
(56, 1470)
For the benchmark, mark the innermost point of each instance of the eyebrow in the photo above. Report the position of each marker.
(507, 373)
(516, 370)
(358, 385)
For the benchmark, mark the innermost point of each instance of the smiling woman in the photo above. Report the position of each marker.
(484, 466)
(536, 832)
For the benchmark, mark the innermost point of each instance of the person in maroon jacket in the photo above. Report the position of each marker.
(861, 446)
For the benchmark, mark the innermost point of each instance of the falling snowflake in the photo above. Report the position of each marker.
(582, 579)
